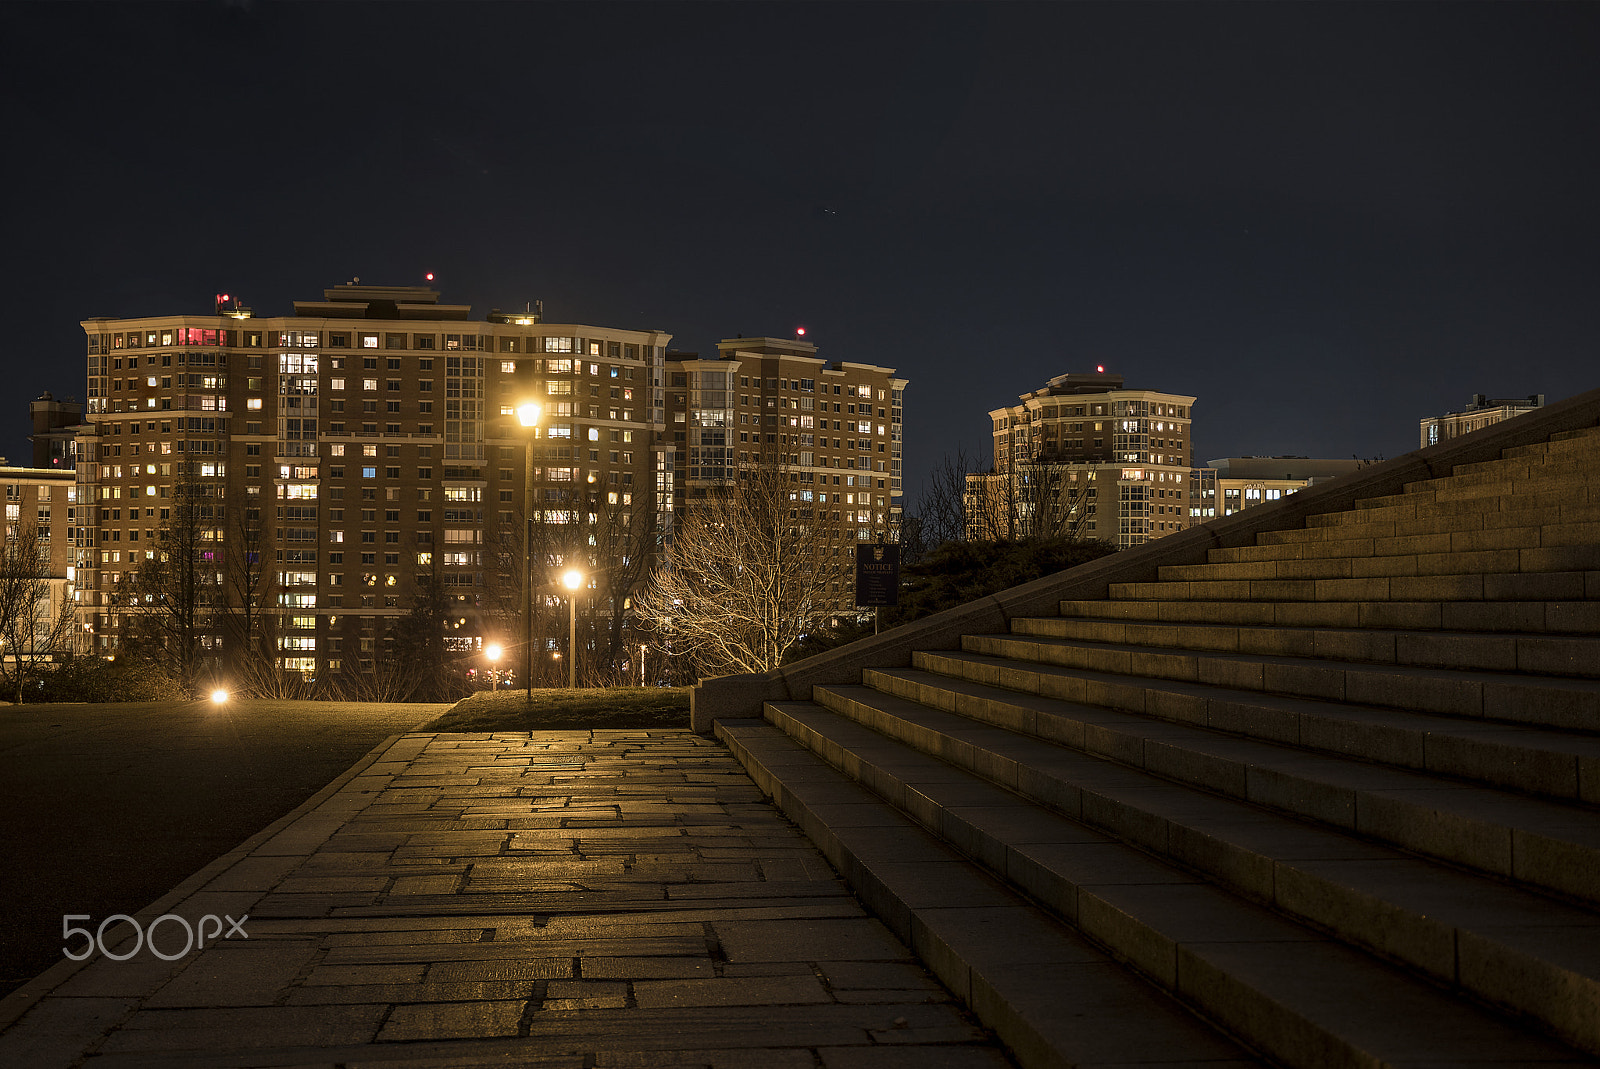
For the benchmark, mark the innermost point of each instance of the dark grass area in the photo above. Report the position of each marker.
(568, 710)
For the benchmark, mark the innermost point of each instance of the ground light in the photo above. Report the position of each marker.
(572, 580)
(493, 651)
(219, 696)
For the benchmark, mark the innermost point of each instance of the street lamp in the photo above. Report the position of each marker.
(528, 416)
(493, 651)
(572, 580)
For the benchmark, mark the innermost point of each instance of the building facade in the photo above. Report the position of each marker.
(1226, 486)
(1481, 412)
(55, 430)
(42, 516)
(837, 428)
(1086, 457)
(360, 453)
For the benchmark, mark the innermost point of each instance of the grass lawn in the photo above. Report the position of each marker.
(568, 710)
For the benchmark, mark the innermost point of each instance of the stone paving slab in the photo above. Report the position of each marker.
(561, 900)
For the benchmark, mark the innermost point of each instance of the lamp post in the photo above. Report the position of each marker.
(528, 416)
(493, 652)
(572, 580)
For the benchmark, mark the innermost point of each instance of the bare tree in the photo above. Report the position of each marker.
(386, 676)
(746, 575)
(1040, 498)
(618, 556)
(608, 534)
(416, 644)
(175, 597)
(941, 501)
(35, 613)
(250, 624)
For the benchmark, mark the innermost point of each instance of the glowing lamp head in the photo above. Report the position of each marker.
(800, 332)
(493, 651)
(429, 276)
(572, 579)
(528, 414)
(219, 696)
(1101, 368)
(224, 296)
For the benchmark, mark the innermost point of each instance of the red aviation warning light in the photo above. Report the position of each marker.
(1101, 368)
(799, 332)
(222, 303)
(428, 276)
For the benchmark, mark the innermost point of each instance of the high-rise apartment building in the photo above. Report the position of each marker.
(1084, 456)
(1481, 412)
(837, 428)
(361, 451)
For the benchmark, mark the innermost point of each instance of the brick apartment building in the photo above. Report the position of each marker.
(1086, 457)
(837, 428)
(365, 446)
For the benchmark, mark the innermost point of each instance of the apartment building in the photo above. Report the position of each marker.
(362, 449)
(1226, 486)
(55, 429)
(42, 505)
(1086, 457)
(837, 427)
(1482, 411)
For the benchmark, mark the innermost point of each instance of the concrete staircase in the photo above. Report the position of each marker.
(1324, 799)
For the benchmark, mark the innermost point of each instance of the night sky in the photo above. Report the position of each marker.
(1324, 220)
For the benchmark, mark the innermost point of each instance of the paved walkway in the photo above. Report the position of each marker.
(569, 899)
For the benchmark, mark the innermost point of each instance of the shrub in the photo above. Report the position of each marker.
(955, 573)
(94, 679)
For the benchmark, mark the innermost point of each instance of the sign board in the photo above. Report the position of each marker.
(877, 575)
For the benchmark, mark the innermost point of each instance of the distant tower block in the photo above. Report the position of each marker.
(54, 424)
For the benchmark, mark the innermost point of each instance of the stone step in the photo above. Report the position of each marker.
(1575, 445)
(1302, 997)
(1414, 556)
(1519, 496)
(1410, 910)
(1471, 698)
(1555, 461)
(1563, 465)
(1557, 439)
(1576, 585)
(1531, 758)
(1569, 503)
(1531, 617)
(1570, 525)
(1576, 656)
(1053, 997)
(1549, 844)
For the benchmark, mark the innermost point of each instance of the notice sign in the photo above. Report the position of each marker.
(877, 575)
